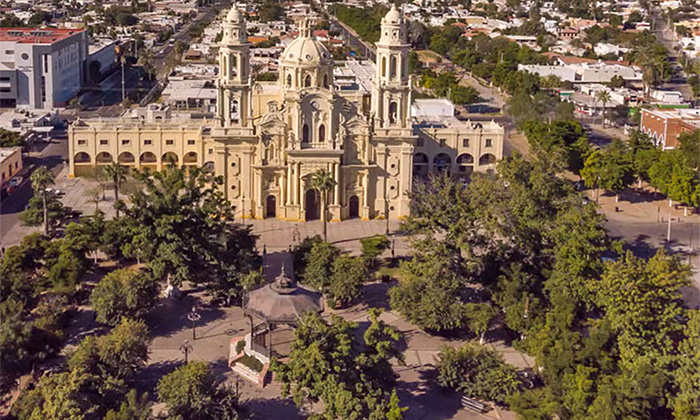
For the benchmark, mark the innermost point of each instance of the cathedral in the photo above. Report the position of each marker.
(267, 139)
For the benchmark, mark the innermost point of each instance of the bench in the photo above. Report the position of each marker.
(472, 404)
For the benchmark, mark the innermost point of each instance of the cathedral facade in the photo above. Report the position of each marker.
(267, 139)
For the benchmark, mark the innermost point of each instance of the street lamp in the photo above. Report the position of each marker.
(194, 316)
(186, 348)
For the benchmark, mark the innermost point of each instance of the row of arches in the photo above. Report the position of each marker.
(128, 157)
(308, 81)
(443, 162)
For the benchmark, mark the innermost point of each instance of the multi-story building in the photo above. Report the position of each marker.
(10, 163)
(269, 138)
(665, 125)
(41, 68)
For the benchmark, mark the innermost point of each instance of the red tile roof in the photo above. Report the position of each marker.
(36, 35)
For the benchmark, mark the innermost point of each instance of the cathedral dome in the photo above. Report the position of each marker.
(393, 17)
(305, 49)
(234, 16)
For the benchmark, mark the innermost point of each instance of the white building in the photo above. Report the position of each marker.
(41, 68)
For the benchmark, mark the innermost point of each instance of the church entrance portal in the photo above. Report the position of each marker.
(312, 207)
(354, 207)
(271, 206)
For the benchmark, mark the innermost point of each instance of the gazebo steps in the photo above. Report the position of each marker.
(246, 373)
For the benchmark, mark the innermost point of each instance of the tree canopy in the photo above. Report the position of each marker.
(182, 227)
(352, 377)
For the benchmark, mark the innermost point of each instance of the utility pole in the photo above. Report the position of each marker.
(123, 84)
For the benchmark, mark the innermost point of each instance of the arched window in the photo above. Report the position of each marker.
(420, 164)
(442, 162)
(325, 81)
(393, 112)
(305, 133)
(321, 133)
(392, 66)
(225, 66)
(289, 80)
(307, 81)
(103, 157)
(384, 66)
(81, 157)
(487, 159)
(234, 65)
(234, 111)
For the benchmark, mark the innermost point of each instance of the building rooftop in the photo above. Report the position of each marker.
(36, 35)
(6, 152)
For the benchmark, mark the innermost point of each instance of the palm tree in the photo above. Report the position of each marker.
(117, 172)
(42, 179)
(604, 97)
(323, 182)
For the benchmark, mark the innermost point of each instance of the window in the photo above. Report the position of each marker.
(465, 142)
(307, 81)
(190, 142)
(9, 52)
(125, 142)
(211, 151)
(104, 142)
(305, 134)
(489, 143)
(289, 80)
(169, 142)
(147, 142)
(82, 142)
(322, 133)
(16, 165)
(4, 79)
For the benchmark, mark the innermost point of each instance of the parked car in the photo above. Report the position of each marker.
(16, 181)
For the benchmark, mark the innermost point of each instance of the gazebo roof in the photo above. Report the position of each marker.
(282, 301)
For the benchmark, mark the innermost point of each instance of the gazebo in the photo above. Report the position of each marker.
(281, 302)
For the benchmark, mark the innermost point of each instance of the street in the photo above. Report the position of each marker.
(52, 155)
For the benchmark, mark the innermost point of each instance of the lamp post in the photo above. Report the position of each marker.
(194, 316)
(186, 348)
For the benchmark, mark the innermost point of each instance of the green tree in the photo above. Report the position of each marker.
(135, 407)
(42, 179)
(124, 293)
(480, 316)
(347, 277)
(353, 378)
(690, 148)
(642, 301)
(182, 226)
(117, 173)
(191, 392)
(10, 138)
(430, 293)
(477, 372)
(604, 97)
(323, 182)
(610, 168)
(56, 397)
(373, 246)
(319, 266)
(111, 361)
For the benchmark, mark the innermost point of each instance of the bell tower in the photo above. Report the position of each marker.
(234, 83)
(391, 99)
